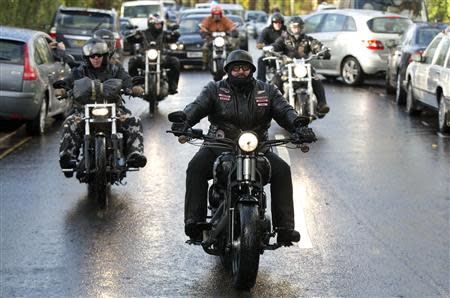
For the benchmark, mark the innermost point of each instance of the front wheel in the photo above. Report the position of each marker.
(100, 172)
(36, 126)
(411, 105)
(399, 92)
(246, 247)
(351, 71)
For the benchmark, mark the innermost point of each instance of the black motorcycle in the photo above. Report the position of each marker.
(238, 229)
(102, 161)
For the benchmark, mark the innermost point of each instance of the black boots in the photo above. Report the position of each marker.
(287, 236)
(136, 160)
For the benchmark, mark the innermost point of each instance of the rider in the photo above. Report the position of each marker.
(232, 105)
(96, 66)
(216, 22)
(155, 33)
(296, 44)
(110, 40)
(268, 37)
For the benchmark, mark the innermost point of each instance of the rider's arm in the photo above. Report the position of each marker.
(204, 25)
(201, 107)
(127, 83)
(316, 46)
(279, 45)
(283, 113)
(229, 25)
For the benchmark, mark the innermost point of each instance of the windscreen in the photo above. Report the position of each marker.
(85, 20)
(395, 25)
(140, 11)
(11, 51)
(425, 35)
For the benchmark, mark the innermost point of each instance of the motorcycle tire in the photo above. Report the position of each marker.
(100, 172)
(246, 247)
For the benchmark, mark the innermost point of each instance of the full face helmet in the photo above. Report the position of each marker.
(95, 46)
(295, 26)
(155, 23)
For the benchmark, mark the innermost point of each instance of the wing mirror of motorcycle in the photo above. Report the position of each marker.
(138, 80)
(177, 116)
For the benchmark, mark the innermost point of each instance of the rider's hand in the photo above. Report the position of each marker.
(304, 134)
(137, 91)
(60, 92)
(326, 55)
(179, 128)
(259, 45)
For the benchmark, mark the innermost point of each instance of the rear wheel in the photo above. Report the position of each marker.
(399, 92)
(351, 71)
(246, 247)
(444, 115)
(36, 126)
(389, 88)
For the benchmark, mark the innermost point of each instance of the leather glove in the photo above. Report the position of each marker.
(304, 134)
(179, 128)
(326, 55)
(137, 91)
(60, 92)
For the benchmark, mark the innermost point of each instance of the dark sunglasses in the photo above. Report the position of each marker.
(93, 56)
(276, 22)
(244, 67)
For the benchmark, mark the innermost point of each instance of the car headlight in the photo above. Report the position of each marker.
(100, 112)
(219, 42)
(152, 54)
(248, 141)
(180, 46)
(300, 71)
(173, 46)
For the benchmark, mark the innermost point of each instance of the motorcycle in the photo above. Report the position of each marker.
(238, 230)
(220, 47)
(102, 161)
(297, 76)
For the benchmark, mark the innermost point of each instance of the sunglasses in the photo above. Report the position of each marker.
(276, 22)
(95, 56)
(244, 67)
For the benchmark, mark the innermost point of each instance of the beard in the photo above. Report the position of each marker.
(241, 81)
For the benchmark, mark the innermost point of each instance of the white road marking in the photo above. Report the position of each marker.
(299, 201)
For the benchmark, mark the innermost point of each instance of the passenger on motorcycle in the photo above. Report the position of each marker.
(110, 40)
(296, 44)
(268, 37)
(155, 32)
(216, 22)
(96, 66)
(232, 105)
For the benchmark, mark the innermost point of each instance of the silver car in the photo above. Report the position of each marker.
(428, 80)
(357, 40)
(27, 72)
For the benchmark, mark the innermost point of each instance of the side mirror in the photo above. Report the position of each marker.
(177, 116)
(418, 58)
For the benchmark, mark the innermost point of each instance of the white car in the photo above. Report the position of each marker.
(427, 80)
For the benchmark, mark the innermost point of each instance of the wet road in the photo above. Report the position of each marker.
(372, 201)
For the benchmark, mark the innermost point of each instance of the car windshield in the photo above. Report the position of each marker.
(425, 35)
(236, 20)
(85, 20)
(188, 26)
(254, 16)
(11, 52)
(389, 25)
(140, 11)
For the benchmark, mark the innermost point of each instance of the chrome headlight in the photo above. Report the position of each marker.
(248, 141)
(219, 42)
(152, 54)
(300, 71)
(173, 46)
(100, 112)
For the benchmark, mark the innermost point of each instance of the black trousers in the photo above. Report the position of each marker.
(170, 62)
(200, 170)
(317, 86)
(261, 75)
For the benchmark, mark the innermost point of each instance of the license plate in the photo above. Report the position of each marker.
(78, 42)
(194, 54)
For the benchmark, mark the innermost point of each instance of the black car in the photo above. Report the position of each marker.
(189, 47)
(415, 40)
(75, 25)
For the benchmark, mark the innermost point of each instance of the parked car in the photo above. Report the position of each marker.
(357, 41)
(190, 42)
(138, 11)
(126, 29)
(27, 72)
(75, 25)
(428, 80)
(253, 18)
(415, 40)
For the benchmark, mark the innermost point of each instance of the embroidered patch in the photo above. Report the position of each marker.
(224, 97)
(262, 101)
(224, 90)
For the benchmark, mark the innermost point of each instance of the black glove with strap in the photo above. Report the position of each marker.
(180, 128)
(304, 134)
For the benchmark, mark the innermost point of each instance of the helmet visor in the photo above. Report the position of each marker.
(100, 48)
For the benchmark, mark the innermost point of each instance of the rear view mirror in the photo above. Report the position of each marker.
(177, 116)
(418, 58)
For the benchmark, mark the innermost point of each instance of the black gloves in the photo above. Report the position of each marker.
(179, 128)
(326, 55)
(304, 134)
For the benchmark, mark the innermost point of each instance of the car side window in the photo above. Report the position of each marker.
(428, 55)
(350, 24)
(333, 23)
(448, 60)
(445, 44)
(312, 23)
(43, 55)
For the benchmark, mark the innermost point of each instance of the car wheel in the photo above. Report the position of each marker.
(389, 88)
(351, 71)
(399, 92)
(443, 116)
(36, 126)
(411, 105)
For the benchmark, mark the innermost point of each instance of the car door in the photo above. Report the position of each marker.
(434, 72)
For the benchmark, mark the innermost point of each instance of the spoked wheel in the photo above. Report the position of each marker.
(246, 247)
(100, 181)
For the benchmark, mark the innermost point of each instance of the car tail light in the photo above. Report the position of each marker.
(29, 73)
(373, 44)
(52, 33)
(418, 52)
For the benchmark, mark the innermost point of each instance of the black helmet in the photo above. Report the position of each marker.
(277, 17)
(154, 19)
(107, 36)
(295, 21)
(239, 56)
(95, 46)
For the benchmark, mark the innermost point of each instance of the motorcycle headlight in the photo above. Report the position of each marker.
(152, 54)
(248, 141)
(300, 71)
(180, 46)
(100, 112)
(219, 42)
(173, 46)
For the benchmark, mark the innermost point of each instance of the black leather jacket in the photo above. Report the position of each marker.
(234, 112)
(297, 48)
(269, 35)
